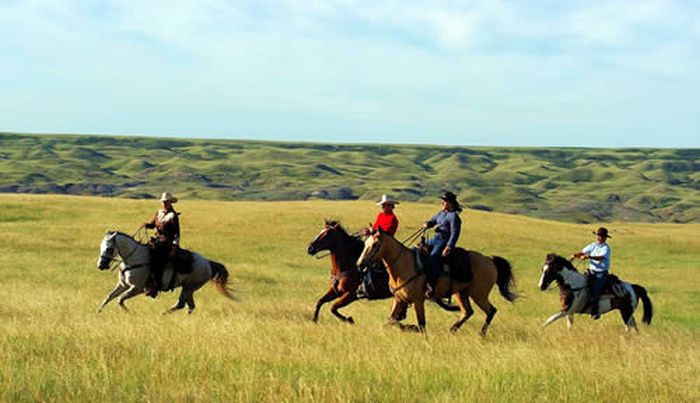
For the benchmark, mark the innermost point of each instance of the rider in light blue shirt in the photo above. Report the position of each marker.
(599, 254)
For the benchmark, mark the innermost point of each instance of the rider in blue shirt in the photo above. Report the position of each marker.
(599, 254)
(448, 226)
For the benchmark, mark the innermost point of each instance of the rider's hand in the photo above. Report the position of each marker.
(425, 225)
(446, 251)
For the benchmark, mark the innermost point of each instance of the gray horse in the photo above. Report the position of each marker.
(134, 271)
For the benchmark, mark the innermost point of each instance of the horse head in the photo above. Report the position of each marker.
(372, 251)
(108, 248)
(551, 270)
(327, 239)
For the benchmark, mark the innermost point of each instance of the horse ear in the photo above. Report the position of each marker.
(374, 232)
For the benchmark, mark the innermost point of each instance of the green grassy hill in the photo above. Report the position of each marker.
(264, 348)
(573, 184)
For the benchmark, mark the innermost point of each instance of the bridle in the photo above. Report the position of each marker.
(393, 260)
(116, 261)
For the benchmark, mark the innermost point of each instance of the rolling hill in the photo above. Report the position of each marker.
(569, 184)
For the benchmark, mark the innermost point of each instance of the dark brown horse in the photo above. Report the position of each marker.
(345, 277)
(344, 251)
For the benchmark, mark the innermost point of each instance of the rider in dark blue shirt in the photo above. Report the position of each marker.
(448, 226)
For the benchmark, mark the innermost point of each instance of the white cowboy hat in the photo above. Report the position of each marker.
(168, 197)
(386, 199)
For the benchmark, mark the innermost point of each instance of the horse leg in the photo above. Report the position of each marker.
(117, 291)
(345, 299)
(488, 309)
(554, 317)
(570, 321)
(185, 294)
(130, 293)
(398, 312)
(330, 295)
(465, 307)
(627, 314)
(419, 307)
(190, 297)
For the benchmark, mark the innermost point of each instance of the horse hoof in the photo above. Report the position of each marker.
(454, 329)
(410, 328)
(350, 320)
(189, 311)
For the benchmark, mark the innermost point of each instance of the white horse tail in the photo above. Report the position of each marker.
(648, 309)
(219, 275)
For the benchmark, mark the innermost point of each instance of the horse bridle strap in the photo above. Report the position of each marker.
(415, 276)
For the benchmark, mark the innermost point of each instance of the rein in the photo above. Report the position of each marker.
(120, 260)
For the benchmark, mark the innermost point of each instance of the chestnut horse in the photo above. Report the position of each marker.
(345, 277)
(408, 281)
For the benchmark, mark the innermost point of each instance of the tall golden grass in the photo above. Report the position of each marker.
(53, 347)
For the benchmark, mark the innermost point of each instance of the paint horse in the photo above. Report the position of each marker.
(574, 293)
(344, 251)
(408, 281)
(134, 271)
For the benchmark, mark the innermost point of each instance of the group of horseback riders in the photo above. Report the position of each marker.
(447, 223)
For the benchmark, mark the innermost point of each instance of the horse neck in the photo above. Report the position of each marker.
(341, 258)
(572, 278)
(397, 258)
(129, 250)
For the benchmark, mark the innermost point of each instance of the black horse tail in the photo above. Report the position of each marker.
(648, 309)
(504, 278)
(219, 276)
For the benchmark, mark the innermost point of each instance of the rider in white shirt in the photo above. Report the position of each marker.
(598, 253)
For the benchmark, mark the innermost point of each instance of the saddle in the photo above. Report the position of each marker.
(457, 265)
(613, 286)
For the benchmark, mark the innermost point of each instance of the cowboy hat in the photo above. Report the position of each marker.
(167, 196)
(386, 199)
(602, 231)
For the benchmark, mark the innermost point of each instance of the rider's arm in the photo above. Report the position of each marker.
(151, 224)
(431, 223)
(455, 227)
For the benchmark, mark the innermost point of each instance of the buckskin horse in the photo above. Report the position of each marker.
(408, 281)
(344, 251)
(134, 271)
(573, 292)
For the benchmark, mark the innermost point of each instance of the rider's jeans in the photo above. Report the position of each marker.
(598, 282)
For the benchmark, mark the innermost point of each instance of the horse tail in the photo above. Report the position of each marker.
(504, 278)
(648, 309)
(219, 276)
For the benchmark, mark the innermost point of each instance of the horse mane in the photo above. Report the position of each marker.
(554, 258)
(339, 227)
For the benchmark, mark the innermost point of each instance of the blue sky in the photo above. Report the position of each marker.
(535, 73)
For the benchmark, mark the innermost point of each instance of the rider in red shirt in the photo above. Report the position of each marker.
(386, 220)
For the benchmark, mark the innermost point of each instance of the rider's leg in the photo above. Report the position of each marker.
(599, 280)
(437, 245)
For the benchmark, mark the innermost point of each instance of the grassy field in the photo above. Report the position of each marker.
(568, 184)
(264, 348)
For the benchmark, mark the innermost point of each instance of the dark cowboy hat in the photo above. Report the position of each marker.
(449, 196)
(452, 199)
(602, 231)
